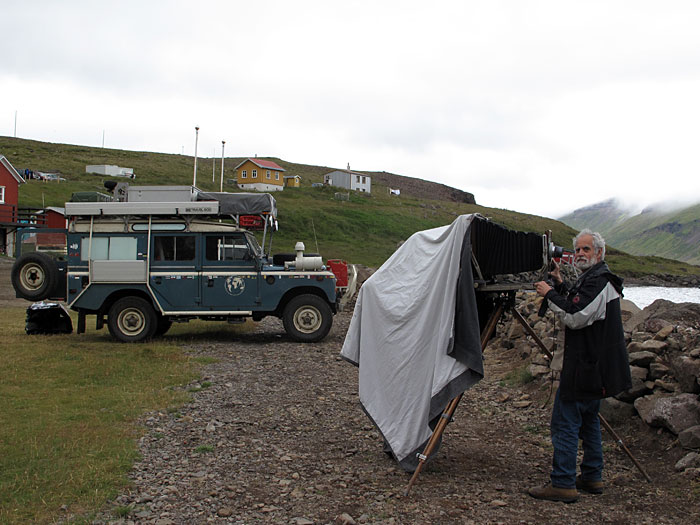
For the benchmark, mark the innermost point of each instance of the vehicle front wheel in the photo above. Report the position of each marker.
(307, 318)
(132, 320)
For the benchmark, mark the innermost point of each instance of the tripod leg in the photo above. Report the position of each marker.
(452, 405)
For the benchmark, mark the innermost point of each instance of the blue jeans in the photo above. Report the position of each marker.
(571, 421)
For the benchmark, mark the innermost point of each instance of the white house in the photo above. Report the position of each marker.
(349, 180)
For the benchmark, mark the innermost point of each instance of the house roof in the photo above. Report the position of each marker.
(11, 169)
(260, 163)
(350, 172)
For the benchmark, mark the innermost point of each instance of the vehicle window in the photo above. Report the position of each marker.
(173, 248)
(109, 248)
(226, 247)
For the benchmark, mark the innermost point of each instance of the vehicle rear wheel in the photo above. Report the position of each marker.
(307, 318)
(34, 276)
(132, 320)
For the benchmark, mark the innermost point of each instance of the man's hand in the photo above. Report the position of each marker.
(555, 274)
(542, 288)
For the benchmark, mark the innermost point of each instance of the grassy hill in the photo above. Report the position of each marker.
(366, 229)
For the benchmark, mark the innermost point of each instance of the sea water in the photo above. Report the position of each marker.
(643, 296)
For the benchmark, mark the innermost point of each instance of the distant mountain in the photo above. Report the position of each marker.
(601, 217)
(655, 231)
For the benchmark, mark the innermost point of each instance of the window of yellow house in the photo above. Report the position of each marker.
(244, 174)
(267, 175)
(277, 175)
(255, 174)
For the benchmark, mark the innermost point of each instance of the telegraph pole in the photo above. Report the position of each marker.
(222, 165)
(196, 139)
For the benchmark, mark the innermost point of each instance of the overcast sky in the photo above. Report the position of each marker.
(535, 106)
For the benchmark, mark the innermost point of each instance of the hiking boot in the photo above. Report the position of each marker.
(590, 486)
(551, 493)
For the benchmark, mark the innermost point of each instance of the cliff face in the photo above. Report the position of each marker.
(422, 189)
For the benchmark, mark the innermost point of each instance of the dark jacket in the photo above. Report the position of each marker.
(595, 355)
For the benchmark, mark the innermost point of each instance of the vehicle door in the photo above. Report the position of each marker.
(230, 276)
(174, 276)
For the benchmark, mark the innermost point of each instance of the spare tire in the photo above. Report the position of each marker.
(34, 276)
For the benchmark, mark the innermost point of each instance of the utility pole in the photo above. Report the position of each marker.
(196, 139)
(222, 165)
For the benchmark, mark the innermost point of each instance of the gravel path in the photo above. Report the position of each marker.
(277, 436)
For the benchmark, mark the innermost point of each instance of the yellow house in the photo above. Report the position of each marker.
(292, 181)
(260, 175)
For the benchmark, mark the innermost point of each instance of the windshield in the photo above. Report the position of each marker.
(254, 244)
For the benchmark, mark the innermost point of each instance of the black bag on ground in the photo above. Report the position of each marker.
(48, 318)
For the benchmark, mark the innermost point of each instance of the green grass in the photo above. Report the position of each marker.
(68, 412)
(518, 376)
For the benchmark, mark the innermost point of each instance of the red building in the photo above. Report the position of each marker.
(12, 216)
(10, 179)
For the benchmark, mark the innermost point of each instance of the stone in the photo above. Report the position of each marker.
(675, 413)
(616, 411)
(657, 347)
(516, 330)
(690, 437)
(345, 519)
(634, 346)
(637, 372)
(695, 353)
(686, 371)
(643, 358)
(664, 332)
(537, 370)
(690, 460)
(655, 325)
(668, 386)
(224, 512)
(658, 370)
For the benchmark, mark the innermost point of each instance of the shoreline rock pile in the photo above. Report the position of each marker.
(663, 343)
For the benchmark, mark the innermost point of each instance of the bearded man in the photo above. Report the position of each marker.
(595, 366)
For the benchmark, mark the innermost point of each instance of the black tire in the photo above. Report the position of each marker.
(307, 318)
(163, 324)
(34, 276)
(132, 320)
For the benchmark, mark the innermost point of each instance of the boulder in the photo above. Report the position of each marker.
(664, 332)
(687, 371)
(690, 437)
(631, 324)
(658, 370)
(690, 460)
(656, 347)
(655, 325)
(639, 373)
(675, 413)
(643, 358)
(616, 411)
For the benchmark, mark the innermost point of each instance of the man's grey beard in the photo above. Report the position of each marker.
(584, 265)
